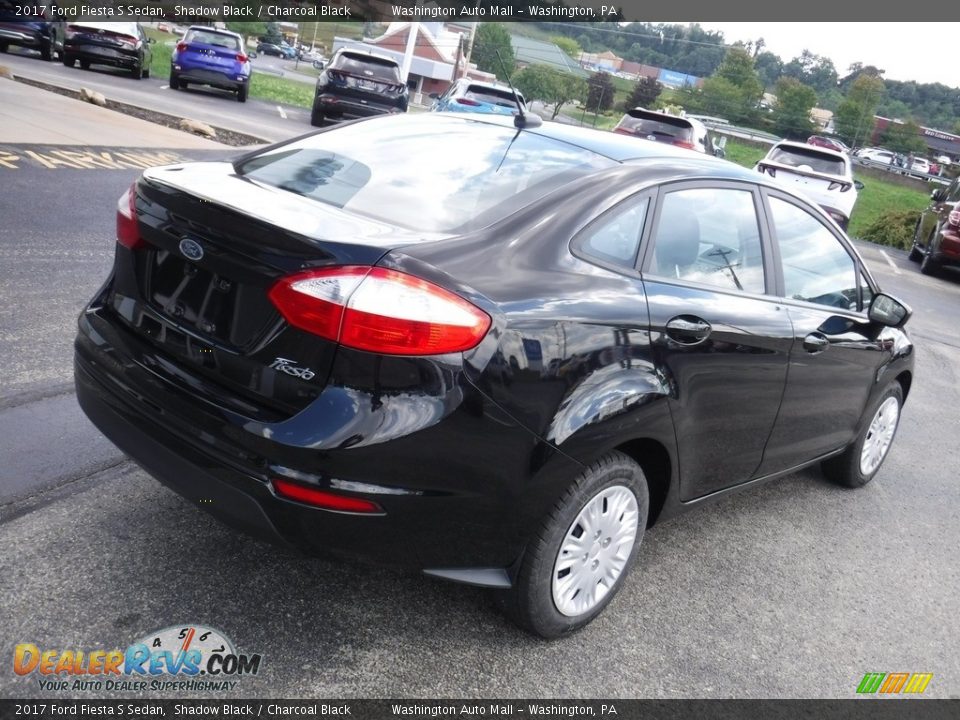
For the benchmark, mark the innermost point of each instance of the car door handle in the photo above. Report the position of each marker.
(688, 329)
(815, 343)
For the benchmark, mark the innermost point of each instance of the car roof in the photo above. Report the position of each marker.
(624, 148)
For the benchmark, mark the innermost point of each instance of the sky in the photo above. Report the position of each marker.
(907, 51)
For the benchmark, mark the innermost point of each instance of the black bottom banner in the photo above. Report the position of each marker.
(868, 709)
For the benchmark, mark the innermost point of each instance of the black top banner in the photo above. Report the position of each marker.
(476, 10)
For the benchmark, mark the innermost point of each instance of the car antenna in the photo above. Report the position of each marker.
(521, 119)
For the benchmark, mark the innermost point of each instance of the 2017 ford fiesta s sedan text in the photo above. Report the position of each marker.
(489, 350)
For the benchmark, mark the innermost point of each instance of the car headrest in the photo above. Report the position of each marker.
(678, 239)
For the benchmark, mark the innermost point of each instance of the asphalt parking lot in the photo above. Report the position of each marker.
(792, 589)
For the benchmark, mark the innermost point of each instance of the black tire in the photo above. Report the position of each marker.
(530, 602)
(146, 72)
(136, 72)
(846, 469)
(46, 51)
(915, 254)
(67, 60)
(929, 265)
(242, 93)
(84, 64)
(174, 81)
(3, 47)
(317, 118)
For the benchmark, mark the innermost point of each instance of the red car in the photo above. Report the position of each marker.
(831, 143)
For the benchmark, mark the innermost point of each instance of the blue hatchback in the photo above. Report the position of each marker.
(206, 56)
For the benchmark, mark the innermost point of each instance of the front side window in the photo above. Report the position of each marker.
(816, 267)
(709, 236)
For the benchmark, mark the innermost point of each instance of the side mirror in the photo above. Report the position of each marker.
(858, 185)
(887, 310)
(251, 55)
(938, 194)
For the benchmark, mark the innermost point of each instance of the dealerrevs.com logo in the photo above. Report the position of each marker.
(178, 658)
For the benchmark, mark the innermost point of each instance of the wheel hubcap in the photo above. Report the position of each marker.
(595, 550)
(879, 435)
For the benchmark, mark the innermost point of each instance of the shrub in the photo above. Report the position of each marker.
(894, 228)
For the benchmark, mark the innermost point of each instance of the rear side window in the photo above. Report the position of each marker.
(206, 37)
(816, 266)
(710, 236)
(365, 66)
(615, 237)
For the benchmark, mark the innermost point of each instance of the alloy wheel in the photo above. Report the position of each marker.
(879, 435)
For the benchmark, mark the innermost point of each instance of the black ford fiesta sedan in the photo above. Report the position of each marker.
(494, 354)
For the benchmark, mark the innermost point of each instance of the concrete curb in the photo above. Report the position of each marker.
(173, 121)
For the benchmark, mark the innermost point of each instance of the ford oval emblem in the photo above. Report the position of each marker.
(191, 249)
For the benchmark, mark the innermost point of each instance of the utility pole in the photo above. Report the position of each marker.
(473, 35)
(457, 74)
(408, 53)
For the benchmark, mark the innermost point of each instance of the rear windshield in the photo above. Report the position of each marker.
(449, 175)
(802, 158)
(207, 37)
(366, 66)
(492, 96)
(659, 128)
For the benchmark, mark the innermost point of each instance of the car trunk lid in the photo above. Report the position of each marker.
(197, 291)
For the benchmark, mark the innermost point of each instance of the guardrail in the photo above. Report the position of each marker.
(896, 169)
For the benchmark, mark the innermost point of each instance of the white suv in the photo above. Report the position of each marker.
(822, 175)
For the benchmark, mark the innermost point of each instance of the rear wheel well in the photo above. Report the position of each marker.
(654, 459)
(905, 379)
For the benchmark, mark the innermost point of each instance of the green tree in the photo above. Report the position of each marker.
(738, 69)
(600, 92)
(272, 34)
(791, 113)
(493, 38)
(903, 138)
(814, 70)
(854, 117)
(644, 94)
(570, 46)
(769, 68)
(720, 97)
(554, 88)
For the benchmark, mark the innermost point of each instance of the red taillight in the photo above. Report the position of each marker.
(128, 40)
(954, 218)
(324, 499)
(379, 310)
(181, 46)
(685, 144)
(128, 233)
(467, 101)
(72, 30)
(242, 58)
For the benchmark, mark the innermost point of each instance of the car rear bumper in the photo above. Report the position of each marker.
(445, 503)
(350, 108)
(214, 78)
(101, 55)
(24, 37)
